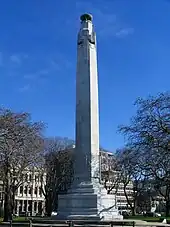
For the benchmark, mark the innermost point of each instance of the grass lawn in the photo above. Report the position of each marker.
(20, 219)
(17, 219)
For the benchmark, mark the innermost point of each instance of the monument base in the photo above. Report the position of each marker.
(87, 202)
(108, 210)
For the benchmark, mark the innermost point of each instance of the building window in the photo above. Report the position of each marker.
(21, 190)
(41, 178)
(40, 207)
(40, 191)
(35, 191)
(30, 177)
(26, 177)
(25, 205)
(26, 190)
(30, 190)
(35, 206)
(29, 206)
(121, 201)
(36, 178)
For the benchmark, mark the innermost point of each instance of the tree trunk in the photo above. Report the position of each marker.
(13, 200)
(48, 205)
(7, 210)
(167, 208)
(7, 205)
(133, 211)
(133, 208)
(55, 202)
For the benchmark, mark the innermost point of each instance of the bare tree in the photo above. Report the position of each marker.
(131, 174)
(161, 175)
(109, 175)
(150, 128)
(21, 144)
(149, 135)
(58, 169)
(112, 181)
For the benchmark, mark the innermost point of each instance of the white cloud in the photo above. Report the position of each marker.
(25, 88)
(43, 72)
(107, 23)
(59, 63)
(25, 56)
(35, 79)
(36, 75)
(29, 76)
(124, 32)
(11, 62)
(16, 59)
(39, 76)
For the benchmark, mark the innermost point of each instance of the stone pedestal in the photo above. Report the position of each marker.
(108, 209)
(87, 203)
(79, 203)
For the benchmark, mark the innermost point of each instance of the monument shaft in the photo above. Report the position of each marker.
(87, 199)
(87, 113)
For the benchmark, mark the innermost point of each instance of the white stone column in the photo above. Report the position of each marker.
(18, 191)
(32, 208)
(43, 208)
(37, 207)
(33, 184)
(27, 206)
(87, 112)
(22, 205)
(23, 190)
(17, 206)
(37, 190)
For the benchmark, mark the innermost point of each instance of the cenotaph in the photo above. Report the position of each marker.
(87, 198)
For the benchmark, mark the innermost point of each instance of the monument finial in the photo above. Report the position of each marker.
(86, 17)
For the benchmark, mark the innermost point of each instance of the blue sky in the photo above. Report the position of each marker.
(38, 59)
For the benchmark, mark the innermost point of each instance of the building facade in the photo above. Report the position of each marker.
(29, 196)
(30, 199)
(110, 177)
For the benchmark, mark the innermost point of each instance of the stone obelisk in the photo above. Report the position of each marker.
(87, 111)
(86, 199)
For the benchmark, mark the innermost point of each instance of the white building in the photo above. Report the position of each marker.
(110, 177)
(29, 197)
